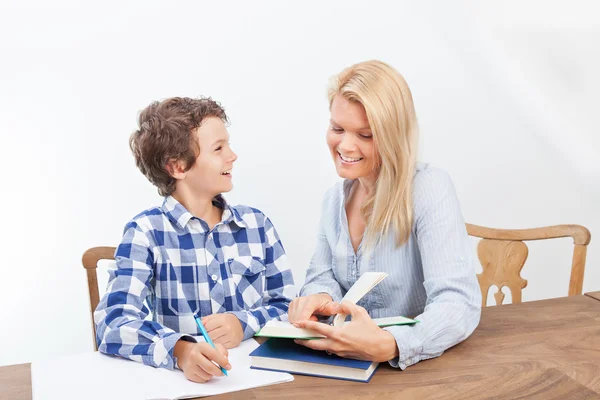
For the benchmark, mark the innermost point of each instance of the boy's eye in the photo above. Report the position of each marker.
(221, 147)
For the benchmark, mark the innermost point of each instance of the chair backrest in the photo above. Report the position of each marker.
(502, 254)
(90, 263)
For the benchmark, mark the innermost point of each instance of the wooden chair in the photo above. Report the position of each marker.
(90, 263)
(502, 255)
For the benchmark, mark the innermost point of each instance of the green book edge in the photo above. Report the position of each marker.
(258, 334)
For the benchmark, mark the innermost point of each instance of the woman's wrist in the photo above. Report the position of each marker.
(388, 349)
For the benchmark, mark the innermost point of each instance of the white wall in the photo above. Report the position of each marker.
(506, 98)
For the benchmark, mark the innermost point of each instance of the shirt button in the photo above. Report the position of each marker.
(214, 278)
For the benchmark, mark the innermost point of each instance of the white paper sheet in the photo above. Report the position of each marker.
(94, 376)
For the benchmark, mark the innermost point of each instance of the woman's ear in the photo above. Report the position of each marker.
(176, 169)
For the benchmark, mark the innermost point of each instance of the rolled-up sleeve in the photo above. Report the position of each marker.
(453, 306)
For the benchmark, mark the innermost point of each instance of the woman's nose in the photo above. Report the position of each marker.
(347, 143)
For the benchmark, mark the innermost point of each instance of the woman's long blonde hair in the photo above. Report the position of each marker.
(388, 103)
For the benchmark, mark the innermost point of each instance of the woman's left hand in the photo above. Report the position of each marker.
(360, 339)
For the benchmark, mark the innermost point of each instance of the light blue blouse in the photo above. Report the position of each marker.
(431, 277)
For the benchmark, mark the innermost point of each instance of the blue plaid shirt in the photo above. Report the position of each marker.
(170, 265)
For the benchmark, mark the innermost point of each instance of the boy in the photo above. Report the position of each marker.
(194, 254)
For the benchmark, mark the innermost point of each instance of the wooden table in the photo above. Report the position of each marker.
(547, 349)
(594, 295)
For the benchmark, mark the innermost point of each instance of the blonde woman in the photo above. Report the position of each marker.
(389, 214)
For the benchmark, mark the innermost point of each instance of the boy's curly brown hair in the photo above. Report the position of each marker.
(167, 132)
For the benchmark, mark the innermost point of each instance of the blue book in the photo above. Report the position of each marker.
(284, 355)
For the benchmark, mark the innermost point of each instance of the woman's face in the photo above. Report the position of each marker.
(350, 140)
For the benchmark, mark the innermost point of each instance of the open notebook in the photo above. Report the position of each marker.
(281, 329)
(94, 376)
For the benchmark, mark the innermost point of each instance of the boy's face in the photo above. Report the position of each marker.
(211, 174)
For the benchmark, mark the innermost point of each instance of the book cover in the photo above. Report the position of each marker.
(284, 355)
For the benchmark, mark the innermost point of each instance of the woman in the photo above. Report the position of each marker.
(389, 214)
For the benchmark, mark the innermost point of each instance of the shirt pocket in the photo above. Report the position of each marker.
(247, 281)
(178, 289)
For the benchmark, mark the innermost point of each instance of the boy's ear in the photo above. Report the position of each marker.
(176, 169)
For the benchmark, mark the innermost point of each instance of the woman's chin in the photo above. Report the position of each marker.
(346, 174)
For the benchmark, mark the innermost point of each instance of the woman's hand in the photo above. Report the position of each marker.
(308, 307)
(360, 339)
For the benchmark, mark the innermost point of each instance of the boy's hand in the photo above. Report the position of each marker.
(196, 360)
(225, 329)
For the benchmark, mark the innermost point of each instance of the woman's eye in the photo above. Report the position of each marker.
(366, 136)
(335, 129)
(218, 148)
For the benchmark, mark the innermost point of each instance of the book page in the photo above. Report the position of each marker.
(286, 330)
(283, 329)
(363, 285)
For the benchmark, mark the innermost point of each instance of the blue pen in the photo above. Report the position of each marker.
(207, 338)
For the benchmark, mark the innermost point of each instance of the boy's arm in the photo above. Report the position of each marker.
(279, 287)
(121, 328)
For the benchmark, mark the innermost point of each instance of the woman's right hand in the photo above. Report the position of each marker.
(196, 360)
(308, 307)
